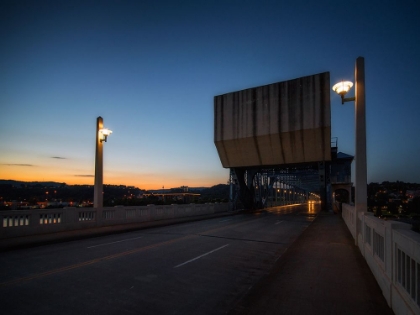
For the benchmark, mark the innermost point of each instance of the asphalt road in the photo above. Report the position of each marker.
(202, 267)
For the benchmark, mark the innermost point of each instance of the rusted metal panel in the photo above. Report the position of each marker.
(281, 123)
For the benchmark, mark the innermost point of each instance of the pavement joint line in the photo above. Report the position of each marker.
(103, 244)
(241, 239)
(232, 225)
(164, 233)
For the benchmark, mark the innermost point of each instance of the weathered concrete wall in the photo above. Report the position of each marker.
(281, 123)
(392, 252)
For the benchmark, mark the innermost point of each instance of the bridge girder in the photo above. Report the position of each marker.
(252, 187)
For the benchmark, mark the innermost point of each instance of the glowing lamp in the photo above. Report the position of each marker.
(342, 88)
(105, 133)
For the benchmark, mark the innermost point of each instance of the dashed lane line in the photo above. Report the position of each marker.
(198, 257)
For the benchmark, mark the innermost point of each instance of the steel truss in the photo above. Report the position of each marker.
(256, 188)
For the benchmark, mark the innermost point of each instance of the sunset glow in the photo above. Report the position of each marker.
(152, 70)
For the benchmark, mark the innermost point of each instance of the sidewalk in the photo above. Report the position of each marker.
(323, 272)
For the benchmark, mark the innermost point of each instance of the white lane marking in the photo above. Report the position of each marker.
(128, 239)
(278, 222)
(208, 253)
(225, 220)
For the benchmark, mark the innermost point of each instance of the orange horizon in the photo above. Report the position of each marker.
(83, 176)
(145, 186)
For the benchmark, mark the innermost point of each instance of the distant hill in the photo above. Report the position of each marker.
(217, 192)
(16, 183)
(177, 190)
(207, 194)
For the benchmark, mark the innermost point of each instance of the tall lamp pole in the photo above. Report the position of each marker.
(360, 116)
(101, 137)
(361, 162)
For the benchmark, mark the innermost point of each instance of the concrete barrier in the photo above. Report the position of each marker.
(392, 252)
(16, 223)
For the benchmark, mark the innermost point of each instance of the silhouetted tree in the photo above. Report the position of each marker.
(414, 206)
(392, 208)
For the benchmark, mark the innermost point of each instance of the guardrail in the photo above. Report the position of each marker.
(16, 223)
(392, 252)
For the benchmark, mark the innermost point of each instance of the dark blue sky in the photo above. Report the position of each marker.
(152, 68)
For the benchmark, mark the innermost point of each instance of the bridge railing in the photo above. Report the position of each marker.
(392, 251)
(16, 223)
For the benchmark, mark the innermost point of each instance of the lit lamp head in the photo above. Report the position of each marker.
(342, 88)
(105, 133)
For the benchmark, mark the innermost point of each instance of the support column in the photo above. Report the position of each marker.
(322, 186)
(246, 191)
(98, 188)
(361, 163)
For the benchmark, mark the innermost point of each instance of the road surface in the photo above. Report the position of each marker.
(202, 267)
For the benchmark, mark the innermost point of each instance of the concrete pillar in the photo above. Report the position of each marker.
(99, 158)
(361, 163)
(231, 205)
(322, 185)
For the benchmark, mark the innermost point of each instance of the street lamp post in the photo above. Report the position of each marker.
(360, 116)
(101, 137)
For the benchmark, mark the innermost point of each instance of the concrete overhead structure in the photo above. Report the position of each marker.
(276, 124)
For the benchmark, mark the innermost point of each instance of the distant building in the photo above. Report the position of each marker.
(410, 194)
(178, 196)
(13, 205)
(55, 203)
